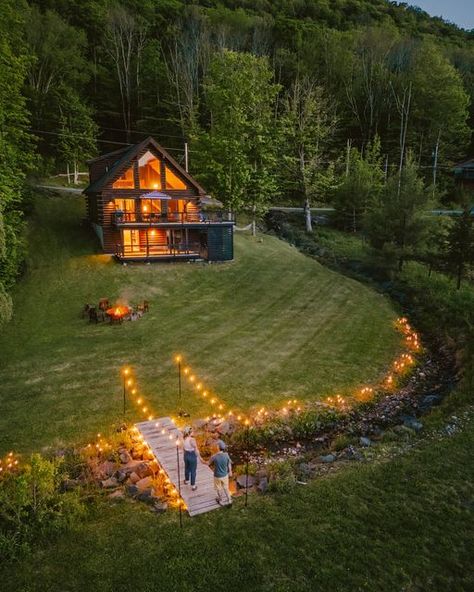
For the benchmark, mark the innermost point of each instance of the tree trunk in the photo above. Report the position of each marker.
(76, 171)
(68, 173)
(254, 226)
(307, 215)
(459, 279)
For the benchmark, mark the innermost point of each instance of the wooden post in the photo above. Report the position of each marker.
(179, 485)
(186, 157)
(124, 392)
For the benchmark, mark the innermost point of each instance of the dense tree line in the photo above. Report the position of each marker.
(348, 102)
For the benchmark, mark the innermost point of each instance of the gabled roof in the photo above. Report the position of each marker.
(124, 158)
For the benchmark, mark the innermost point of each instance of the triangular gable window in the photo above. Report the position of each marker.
(125, 181)
(173, 181)
(149, 171)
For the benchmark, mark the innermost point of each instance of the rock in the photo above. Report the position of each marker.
(130, 466)
(121, 476)
(144, 483)
(107, 468)
(241, 481)
(160, 507)
(125, 457)
(352, 454)
(429, 401)
(199, 424)
(134, 478)
(365, 442)
(225, 428)
(118, 494)
(110, 483)
(147, 496)
(143, 470)
(131, 490)
(305, 470)
(412, 423)
(262, 485)
(328, 458)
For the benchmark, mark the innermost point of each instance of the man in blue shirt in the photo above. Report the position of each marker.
(222, 466)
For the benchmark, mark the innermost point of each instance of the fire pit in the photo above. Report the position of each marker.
(118, 313)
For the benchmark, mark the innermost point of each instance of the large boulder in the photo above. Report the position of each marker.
(130, 466)
(107, 468)
(328, 458)
(125, 456)
(144, 483)
(241, 481)
(143, 470)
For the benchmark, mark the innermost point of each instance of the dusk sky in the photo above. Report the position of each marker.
(460, 12)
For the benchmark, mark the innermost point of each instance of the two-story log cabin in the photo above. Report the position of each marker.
(144, 206)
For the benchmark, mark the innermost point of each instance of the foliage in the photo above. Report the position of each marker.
(399, 220)
(461, 245)
(307, 128)
(31, 505)
(15, 147)
(361, 187)
(282, 476)
(238, 155)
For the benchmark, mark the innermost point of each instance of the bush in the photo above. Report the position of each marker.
(282, 477)
(6, 307)
(31, 505)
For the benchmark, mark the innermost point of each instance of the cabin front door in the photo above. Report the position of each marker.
(131, 241)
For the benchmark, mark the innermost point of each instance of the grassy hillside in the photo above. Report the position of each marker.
(270, 324)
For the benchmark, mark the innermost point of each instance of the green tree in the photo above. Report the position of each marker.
(15, 146)
(399, 221)
(461, 245)
(307, 127)
(236, 155)
(360, 187)
(77, 133)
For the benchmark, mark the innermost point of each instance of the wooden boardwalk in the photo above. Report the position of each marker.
(157, 434)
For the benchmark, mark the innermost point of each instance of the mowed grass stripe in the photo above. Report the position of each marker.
(270, 323)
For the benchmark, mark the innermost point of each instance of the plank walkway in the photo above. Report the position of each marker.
(164, 449)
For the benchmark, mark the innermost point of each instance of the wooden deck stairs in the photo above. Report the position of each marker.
(157, 434)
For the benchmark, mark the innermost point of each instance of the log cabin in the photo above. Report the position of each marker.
(144, 206)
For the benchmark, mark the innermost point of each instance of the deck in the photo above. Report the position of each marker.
(164, 449)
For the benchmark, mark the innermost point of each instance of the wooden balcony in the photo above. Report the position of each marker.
(137, 219)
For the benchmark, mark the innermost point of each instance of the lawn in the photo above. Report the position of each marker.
(271, 324)
(405, 525)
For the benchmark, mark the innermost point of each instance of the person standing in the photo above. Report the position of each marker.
(191, 455)
(222, 467)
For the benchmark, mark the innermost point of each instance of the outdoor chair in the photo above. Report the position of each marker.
(104, 304)
(85, 311)
(93, 317)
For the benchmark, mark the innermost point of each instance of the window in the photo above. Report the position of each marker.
(125, 205)
(150, 206)
(149, 171)
(172, 181)
(125, 181)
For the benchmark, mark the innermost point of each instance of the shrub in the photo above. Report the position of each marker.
(282, 477)
(31, 505)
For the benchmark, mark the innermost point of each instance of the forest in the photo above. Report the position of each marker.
(364, 105)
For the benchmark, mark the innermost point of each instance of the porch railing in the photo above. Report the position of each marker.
(158, 250)
(171, 217)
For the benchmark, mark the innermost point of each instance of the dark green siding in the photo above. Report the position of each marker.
(220, 245)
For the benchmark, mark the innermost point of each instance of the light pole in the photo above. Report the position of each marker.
(179, 484)
(247, 422)
(126, 380)
(181, 413)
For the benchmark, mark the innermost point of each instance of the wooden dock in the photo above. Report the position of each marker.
(157, 434)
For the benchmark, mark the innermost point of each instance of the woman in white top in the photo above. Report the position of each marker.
(191, 455)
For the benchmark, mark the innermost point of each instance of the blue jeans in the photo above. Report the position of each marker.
(190, 466)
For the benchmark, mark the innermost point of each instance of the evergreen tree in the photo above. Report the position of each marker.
(399, 221)
(461, 245)
(360, 187)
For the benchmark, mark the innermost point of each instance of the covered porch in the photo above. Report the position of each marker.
(156, 243)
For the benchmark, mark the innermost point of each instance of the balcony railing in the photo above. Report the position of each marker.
(171, 217)
(157, 250)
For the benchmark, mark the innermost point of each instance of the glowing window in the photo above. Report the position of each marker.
(125, 205)
(125, 181)
(149, 171)
(172, 181)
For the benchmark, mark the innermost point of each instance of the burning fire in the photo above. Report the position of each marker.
(118, 311)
